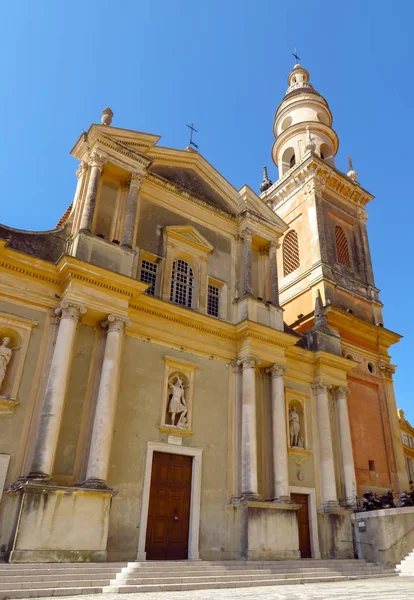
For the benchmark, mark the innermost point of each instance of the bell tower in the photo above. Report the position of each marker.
(326, 247)
(324, 259)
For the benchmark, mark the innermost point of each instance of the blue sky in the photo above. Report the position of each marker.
(160, 64)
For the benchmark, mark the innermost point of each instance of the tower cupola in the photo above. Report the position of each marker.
(303, 123)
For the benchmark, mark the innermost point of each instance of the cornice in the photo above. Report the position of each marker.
(342, 320)
(312, 174)
(325, 359)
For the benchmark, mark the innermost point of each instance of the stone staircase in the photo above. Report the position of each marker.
(55, 579)
(406, 566)
(69, 579)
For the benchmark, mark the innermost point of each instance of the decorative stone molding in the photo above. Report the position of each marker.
(275, 370)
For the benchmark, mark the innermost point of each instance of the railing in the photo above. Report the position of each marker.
(379, 501)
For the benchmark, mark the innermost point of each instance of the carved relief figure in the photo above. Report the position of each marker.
(178, 404)
(5, 356)
(294, 427)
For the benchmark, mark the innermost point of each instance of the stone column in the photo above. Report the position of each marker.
(131, 209)
(347, 456)
(326, 459)
(280, 452)
(51, 416)
(96, 163)
(249, 442)
(98, 461)
(247, 262)
(274, 282)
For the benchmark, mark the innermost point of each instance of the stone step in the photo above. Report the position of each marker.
(42, 592)
(236, 583)
(54, 584)
(236, 573)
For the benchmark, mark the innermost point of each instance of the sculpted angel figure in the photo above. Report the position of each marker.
(178, 404)
(294, 427)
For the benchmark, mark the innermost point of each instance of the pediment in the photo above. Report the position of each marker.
(189, 236)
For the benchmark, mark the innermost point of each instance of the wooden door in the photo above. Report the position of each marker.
(303, 524)
(169, 507)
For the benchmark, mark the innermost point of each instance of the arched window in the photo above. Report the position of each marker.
(182, 283)
(342, 250)
(290, 251)
(288, 160)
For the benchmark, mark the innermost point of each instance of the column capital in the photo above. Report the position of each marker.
(342, 391)
(273, 246)
(69, 310)
(136, 179)
(321, 387)
(386, 368)
(98, 159)
(115, 323)
(81, 169)
(248, 362)
(276, 370)
(246, 234)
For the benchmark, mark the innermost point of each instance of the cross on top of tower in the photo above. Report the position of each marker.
(295, 54)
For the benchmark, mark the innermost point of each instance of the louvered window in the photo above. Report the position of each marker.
(342, 250)
(290, 250)
(182, 283)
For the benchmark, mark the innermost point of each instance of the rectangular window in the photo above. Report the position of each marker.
(149, 275)
(213, 300)
(371, 465)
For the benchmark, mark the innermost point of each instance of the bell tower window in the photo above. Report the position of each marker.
(342, 249)
(182, 283)
(290, 251)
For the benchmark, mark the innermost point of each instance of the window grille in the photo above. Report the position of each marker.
(290, 250)
(213, 300)
(182, 283)
(149, 275)
(342, 250)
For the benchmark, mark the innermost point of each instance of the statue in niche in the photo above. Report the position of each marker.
(294, 428)
(5, 356)
(178, 404)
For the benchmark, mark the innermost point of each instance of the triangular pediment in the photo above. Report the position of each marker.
(189, 236)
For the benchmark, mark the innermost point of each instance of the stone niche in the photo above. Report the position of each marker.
(14, 341)
(296, 422)
(177, 401)
(61, 525)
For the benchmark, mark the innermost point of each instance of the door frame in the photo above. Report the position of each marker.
(313, 517)
(195, 498)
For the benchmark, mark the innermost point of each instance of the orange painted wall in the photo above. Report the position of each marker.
(369, 424)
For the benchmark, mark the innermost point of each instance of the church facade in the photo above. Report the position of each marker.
(191, 371)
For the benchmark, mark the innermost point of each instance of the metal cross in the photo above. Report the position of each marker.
(192, 128)
(295, 54)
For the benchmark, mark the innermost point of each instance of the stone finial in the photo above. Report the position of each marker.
(266, 182)
(351, 173)
(106, 117)
(320, 314)
(310, 144)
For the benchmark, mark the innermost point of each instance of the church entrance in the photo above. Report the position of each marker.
(303, 524)
(169, 507)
